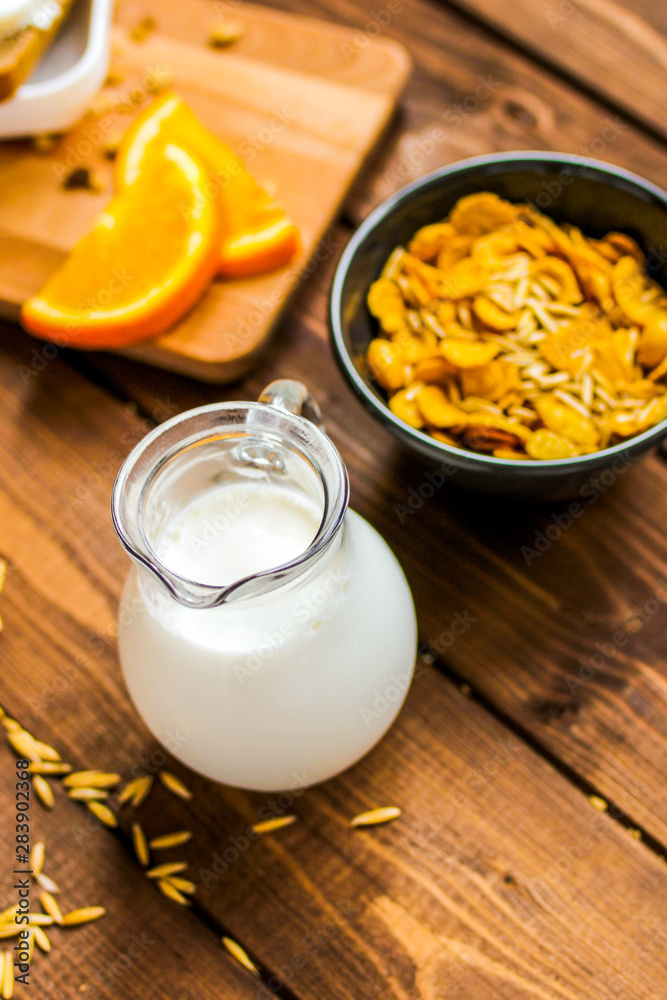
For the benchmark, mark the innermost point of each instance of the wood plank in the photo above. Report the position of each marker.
(534, 622)
(304, 131)
(616, 49)
(144, 946)
(654, 14)
(475, 890)
(470, 94)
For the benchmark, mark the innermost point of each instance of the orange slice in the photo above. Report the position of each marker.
(260, 235)
(148, 259)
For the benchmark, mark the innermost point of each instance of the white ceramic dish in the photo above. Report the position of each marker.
(68, 76)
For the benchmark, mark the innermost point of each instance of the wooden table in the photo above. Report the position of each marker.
(501, 879)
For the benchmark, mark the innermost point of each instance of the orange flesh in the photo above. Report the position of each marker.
(260, 236)
(147, 260)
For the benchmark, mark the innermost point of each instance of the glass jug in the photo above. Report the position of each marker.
(267, 634)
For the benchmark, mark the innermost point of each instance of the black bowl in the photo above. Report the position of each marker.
(595, 196)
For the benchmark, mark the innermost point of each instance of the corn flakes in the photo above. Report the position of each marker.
(507, 334)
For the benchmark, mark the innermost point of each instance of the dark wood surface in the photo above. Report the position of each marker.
(617, 50)
(501, 879)
(498, 857)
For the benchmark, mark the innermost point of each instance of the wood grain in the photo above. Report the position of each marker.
(304, 129)
(470, 95)
(617, 50)
(143, 946)
(476, 889)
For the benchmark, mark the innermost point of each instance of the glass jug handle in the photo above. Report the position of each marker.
(288, 394)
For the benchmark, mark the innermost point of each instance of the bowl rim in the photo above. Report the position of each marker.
(386, 208)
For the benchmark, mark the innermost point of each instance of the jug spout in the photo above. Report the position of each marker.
(276, 443)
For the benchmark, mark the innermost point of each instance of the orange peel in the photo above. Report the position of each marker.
(147, 260)
(260, 235)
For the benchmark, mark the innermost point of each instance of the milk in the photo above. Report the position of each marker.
(283, 689)
(235, 531)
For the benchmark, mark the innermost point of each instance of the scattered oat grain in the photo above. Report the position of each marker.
(142, 29)
(8, 977)
(182, 884)
(598, 803)
(225, 33)
(37, 858)
(91, 779)
(167, 840)
(83, 916)
(175, 785)
(41, 939)
(87, 794)
(269, 825)
(10, 929)
(167, 869)
(50, 906)
(54, 767)
(168, 889)
(102, 812)
(113, 78)
(23, 744)
(47, 883)
(46, 752)
(102, 105)
(158, 81)
(3, 576)
(43, 791)
(241, 956)
(140, 845)
(385, 814)
(41, 920)
(136, 791)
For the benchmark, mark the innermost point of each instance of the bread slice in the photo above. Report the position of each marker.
(20, 53)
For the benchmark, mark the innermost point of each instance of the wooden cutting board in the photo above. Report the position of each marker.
(302, 101)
